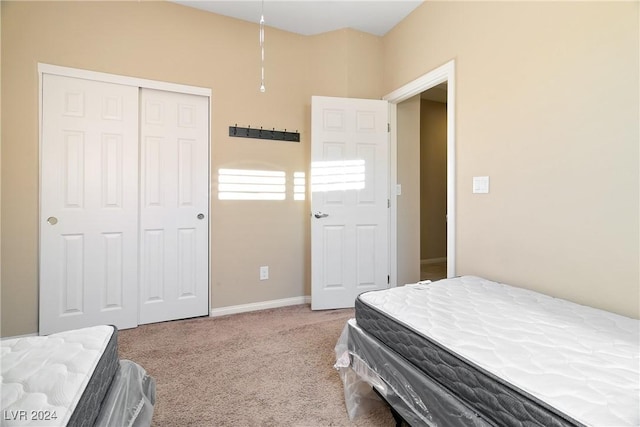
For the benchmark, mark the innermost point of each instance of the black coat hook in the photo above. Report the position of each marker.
(261, 133)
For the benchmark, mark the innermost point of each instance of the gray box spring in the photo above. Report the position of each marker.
(90, 403)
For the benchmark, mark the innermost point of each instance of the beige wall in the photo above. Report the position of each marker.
(433, 180)
(547, 106)
(168, 42)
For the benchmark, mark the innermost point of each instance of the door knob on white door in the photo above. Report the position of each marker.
(52, 220)
(200, 216)
(320, 215)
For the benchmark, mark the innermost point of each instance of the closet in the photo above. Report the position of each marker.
(124, 200)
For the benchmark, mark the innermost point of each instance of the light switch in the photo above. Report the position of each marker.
(480, 184)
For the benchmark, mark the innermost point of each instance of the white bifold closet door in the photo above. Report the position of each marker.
(124, 205)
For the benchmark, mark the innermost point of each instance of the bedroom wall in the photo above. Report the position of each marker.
(547, 105)
(168, 42)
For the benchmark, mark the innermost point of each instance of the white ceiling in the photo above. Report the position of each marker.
(310, 17)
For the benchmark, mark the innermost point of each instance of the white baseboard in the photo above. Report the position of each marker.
(245, 308)
(433, 260)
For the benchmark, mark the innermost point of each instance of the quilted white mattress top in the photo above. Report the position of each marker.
(583, 361)
(44, 377)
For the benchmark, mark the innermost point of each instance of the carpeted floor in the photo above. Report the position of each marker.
(265, 368)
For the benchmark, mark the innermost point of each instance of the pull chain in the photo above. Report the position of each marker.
(262, 87)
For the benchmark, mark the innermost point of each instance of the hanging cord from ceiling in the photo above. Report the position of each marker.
(262, 87)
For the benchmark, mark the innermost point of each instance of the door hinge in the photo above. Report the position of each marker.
(388, 279)
(388, 203)
(388, 127)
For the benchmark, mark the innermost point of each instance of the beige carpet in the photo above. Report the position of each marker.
(266, 368)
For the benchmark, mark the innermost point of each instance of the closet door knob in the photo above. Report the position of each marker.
(52, 220)
(200, 216)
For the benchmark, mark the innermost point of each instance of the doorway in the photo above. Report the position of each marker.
(403, 243)
(433, 183)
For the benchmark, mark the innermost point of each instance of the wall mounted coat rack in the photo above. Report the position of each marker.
(273, 134)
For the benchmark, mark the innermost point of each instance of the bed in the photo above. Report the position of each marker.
(468, 351)
(73, 378)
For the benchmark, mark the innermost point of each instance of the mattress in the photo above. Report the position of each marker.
(59, 379)
(515, 356)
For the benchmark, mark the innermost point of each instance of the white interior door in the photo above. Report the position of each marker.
(89, 204)
(350, 199)
(174, 212)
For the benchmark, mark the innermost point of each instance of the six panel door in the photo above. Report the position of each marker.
(349, 187)
(174, 210)
(89, 204)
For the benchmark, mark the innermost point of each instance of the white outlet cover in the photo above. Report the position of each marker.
(480, 184)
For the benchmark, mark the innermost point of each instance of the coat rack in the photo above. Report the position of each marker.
(273, 134)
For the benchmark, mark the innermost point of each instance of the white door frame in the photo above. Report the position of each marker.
(444, 73)
(128, 81)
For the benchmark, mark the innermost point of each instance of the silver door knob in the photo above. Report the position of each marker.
(52, 220)
(320, 215)
(200, 216)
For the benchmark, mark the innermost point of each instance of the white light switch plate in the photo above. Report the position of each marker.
(480, 184)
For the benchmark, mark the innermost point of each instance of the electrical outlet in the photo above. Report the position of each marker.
(264, 272)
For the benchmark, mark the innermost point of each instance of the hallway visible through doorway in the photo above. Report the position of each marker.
(433, 271)
(433, 183)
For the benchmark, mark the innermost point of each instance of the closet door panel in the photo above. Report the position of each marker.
(89, 204)
(174, 273)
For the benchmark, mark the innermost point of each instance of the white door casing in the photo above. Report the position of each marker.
(89, 204)
(350, 199)
(174, 208)
(444, 73)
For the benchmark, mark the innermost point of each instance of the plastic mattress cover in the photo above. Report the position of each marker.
(131, 398)
(364, 363)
